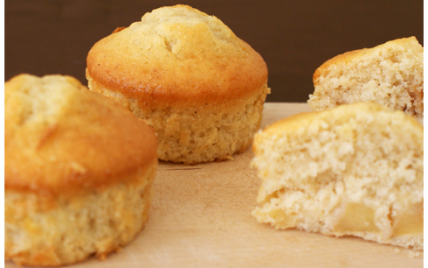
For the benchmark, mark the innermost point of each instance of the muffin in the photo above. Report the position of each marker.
(186, 73)
(77, 176)
(354, 170)
(390, 74)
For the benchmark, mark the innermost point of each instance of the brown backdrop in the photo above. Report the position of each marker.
(294, 37)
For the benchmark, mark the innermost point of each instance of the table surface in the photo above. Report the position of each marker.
(200, 217)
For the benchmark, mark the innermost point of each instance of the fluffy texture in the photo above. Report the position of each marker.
(200, 87)
(77, 177)
(390, 74)
(353, 170)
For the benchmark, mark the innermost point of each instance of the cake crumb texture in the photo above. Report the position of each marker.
(354, 170)
(390, 74)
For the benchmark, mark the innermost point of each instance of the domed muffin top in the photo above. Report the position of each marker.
(61, 138)
(177, 56)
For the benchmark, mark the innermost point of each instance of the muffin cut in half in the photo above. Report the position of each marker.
(354, 170)
(199, 86)
(390, 74)
(77, 175)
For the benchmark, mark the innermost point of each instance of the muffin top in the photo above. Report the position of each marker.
(61, 138)
(177, 56)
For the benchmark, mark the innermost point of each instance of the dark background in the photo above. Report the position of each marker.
(294, 37)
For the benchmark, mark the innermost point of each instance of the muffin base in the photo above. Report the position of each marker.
(194, 135)
(41, 230)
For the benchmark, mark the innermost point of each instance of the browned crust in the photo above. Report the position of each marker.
(118, 29)
(93, 143)
(341, 58)
(208, 74)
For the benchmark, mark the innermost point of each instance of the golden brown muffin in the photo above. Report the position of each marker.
(200, 87)
(390, 74)
(77, 176)
(354, 170)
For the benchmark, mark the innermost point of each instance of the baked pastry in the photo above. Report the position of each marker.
(354, 170)
(199, 86)
(77, 177)
(390, 74)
